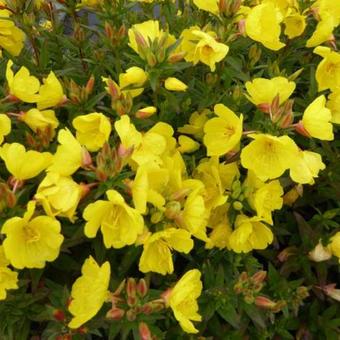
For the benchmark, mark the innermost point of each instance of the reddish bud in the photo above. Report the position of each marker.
(259, 277)
(89, 85)
(265, 303)
(176, 57)
(86, 158)
(264, 107)
(141, 42)
(124, 152)
(131, 287)
(284, 254)
(115, 313)
(301, 129)
(242, 27)
(108, 30)
(59, 315)
(144, 331)
(131, 314)
(142, 288)
(82, 330)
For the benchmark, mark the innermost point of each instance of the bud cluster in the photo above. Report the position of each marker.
(249, 287)
(130, 300)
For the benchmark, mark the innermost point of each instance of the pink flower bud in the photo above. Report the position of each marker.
(264, 302)
(115, 313)
(259, 277)
(301, 129)
(144, 331)
(142, 288)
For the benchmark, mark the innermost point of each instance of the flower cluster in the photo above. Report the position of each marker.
(194, 132)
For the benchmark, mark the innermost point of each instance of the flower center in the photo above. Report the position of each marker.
(229, 131)
(207, 50)
(31, 235)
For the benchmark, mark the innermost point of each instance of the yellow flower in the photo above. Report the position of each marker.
(263, 91)
(269, 156)
(306, 167)
(89, 292)
(143, 34)
(295, 24)
(22, 85)
(334, 105)
(174, 84)
(132, 81)
(263, 25)
(208, 5)
(264, 198)
(267, 199)
(146, 112)
(59, 195)
(249, 234)
(323, 31)
(222, 133)
(5, 126)
(187, 144)
(201, 46)
(148, 186)
(156, 256)
(194, 215)
(328, 71)
(182, 299)
(217, 178)
(152, 147)
(24, 164)
(129, 136)
(119, 223)
(30, 242)
(284, 7)
(51, 92)
(69, 155)
(93, 130)
(8, 278)
(11, 37)
(3, 260)
(328, 12)
(316, 120)
(334, 245)
(219, 236)
(40, 120)
(197, 121)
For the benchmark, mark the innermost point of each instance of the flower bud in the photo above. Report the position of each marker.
(142, 288)
(264, 302)
(264, 107)
(146, 112)
(89, 85)
(301, 130)
(131, 314)
(109, 31)
(259, 277)
(115, 314)
(86, 158)
(176, 57)
(144, 331)
(284, 254)
(59, 315)
(237, 205)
